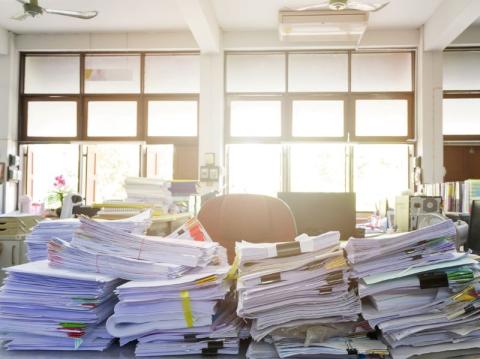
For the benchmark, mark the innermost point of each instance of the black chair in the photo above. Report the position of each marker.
(473, 241)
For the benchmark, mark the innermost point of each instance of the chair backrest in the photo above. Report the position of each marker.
(253, 218)
(473, 241)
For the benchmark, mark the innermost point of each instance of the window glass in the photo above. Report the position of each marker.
(317, 168)
(317, 118)
(461, 116)
(317, 72)
(254, 168)
(255, 118)
(112, 74)
(50, 161)
(114, 162)
(256, 73)
(381, 117)
(172, 74)
(382, 72)
(52, 74)
(160, 161)
(172, 118)
(461, 70)
(380, 172)
(52, 119)
(112, 118)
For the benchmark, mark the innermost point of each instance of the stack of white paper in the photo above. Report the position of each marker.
(64, 228)
(187, 315)
(427, 299)
(102, 248)
(148, 190)
(44, 308)
(299, 283)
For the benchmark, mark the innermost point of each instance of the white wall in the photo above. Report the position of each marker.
(8, 116)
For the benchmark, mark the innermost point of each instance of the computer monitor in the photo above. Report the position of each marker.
(318, 212)
(473, 241)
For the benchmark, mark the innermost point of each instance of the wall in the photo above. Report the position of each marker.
(8, 114)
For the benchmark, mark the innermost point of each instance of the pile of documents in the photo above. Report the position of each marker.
(103, 248)
(187, 315)
(44, 308)
(282, 286)
(148, 190)
(64, 229)
(422, 294)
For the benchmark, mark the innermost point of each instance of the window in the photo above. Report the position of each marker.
(52, 74)
(47, 162)
(112, 74)
(380, 171)
(113, 163)
(52, 118)
(255, 73)
(381, 117)
(318, 167)
(172, 118)
(255, 118)
(325, 120)
(314, 118)
(460, 70)
(172, 74)
(461, 116)
(382, 72)
(254, 168)
(112, 119)
(116, 99)
(318, 72)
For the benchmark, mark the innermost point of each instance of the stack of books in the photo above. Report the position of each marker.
(419, 291)
(457, 196)
(43, 308)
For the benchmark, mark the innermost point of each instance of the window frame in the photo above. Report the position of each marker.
(83, 98)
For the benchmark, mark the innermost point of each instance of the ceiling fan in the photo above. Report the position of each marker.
(32, 9)
(339, 5)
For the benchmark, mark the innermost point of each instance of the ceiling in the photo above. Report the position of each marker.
(164, 15)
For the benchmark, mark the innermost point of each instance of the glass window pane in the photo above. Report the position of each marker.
(461, 116)
(317, 167)
(115, 162)
(317, 72)
(112, 74)
(112, 118)
(160, 161)
(52, 74)
(255, 168)
(256, 73)
(461, 70)
(380, 172)
(172, 74)
(317, 118)
(52, 119)
(255, 118)
(382, 72)
(381, 117)
(172, 118)
(50, 161)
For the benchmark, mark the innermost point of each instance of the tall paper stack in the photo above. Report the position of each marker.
(288, 288)
(175, 317)
(43, 308)
(421, 293)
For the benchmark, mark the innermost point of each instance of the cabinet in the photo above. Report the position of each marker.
(12, 252)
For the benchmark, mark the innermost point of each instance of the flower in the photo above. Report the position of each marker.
(59, 181)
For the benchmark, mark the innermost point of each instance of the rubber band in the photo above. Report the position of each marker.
(96, 263)
(141, 247)
(187, 308)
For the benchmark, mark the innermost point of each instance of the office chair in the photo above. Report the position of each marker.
(249, 217)
(473, 240)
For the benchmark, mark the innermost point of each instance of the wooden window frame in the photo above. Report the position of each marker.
(83, 98)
